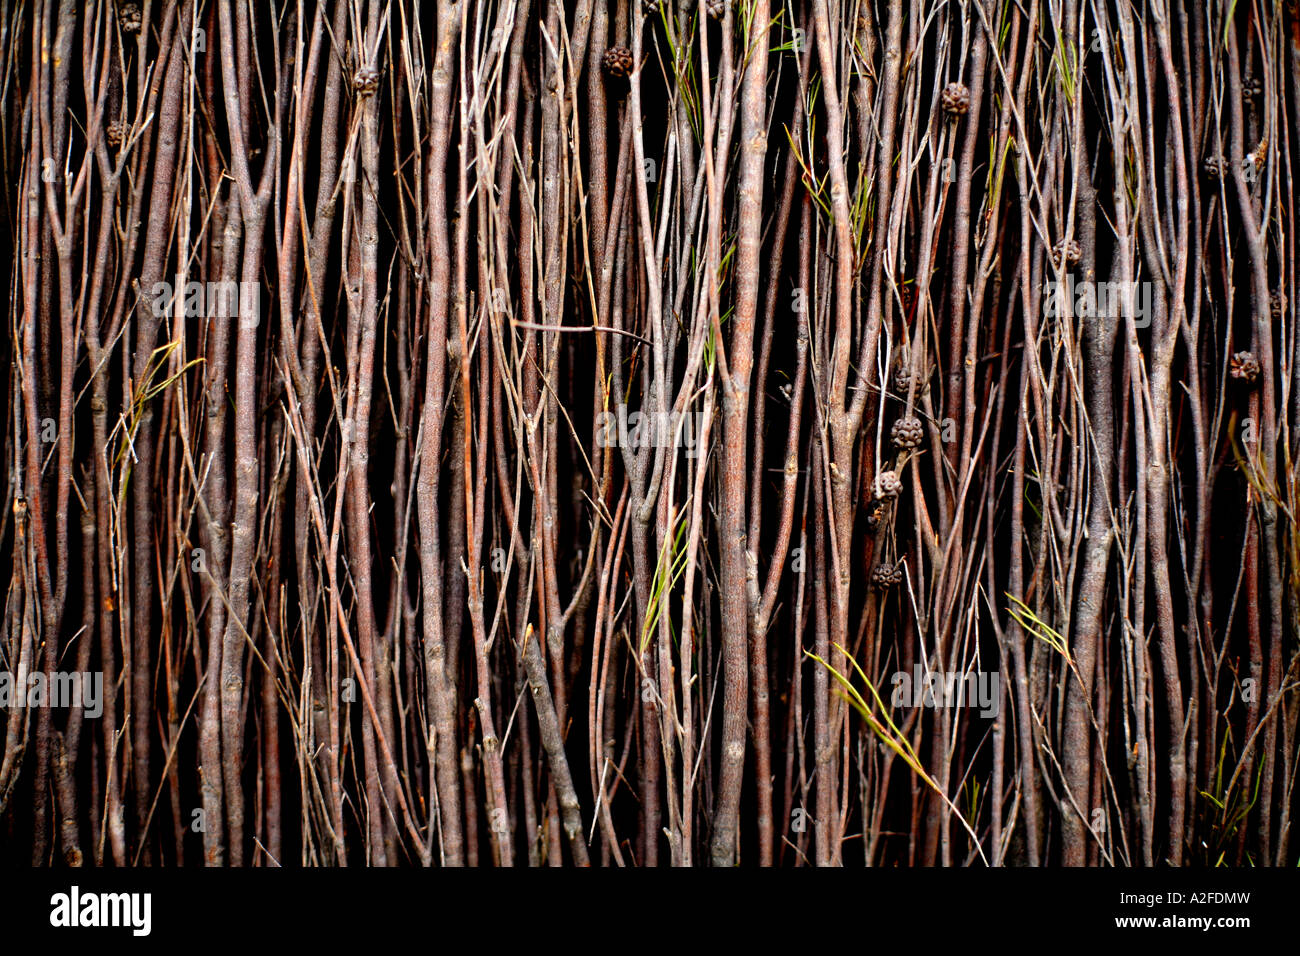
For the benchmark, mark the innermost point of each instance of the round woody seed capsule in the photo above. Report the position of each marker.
(1252, 86)
(114, 133)
(955, 99)
(1067, 252)
(887, 575)
(907, 432)
(1213, 167)
(886, 485)
(617, 62)
(366, 81)
(1244, 366)
(128, 17)
(902, 376)
(718, 8)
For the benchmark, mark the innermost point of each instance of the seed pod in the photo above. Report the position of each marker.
(1213, 167)
(887, 575)
(886, 485)
(649, 7)
(1244, 366)
(955, 99)
(1067, 252)
(617, 62)
(1252, 86)
(907, 432)
(718, 8)
(114, 133)
(903, 377)
(366, 81)
(128, 17)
